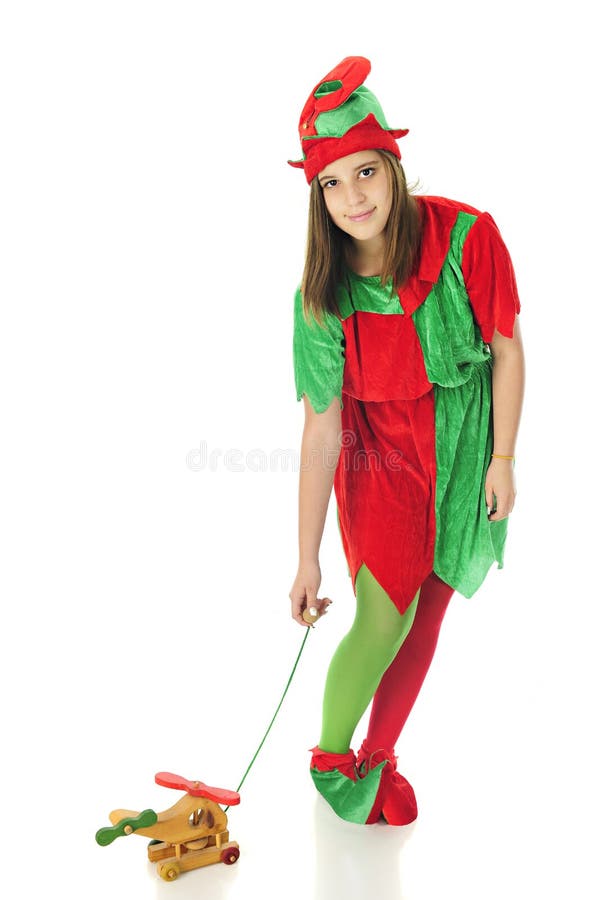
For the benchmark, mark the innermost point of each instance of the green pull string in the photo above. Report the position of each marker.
(275, 716)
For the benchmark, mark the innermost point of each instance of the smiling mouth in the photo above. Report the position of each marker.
(362, 217)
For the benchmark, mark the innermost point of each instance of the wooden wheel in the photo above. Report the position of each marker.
(169, 871)
(199, 844)
(230, 855)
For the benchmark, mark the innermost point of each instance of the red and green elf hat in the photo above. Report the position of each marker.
(342, 116)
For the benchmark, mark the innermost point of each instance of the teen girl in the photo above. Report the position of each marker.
(408, 355)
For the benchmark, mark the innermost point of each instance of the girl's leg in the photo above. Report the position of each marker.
(401, 684)
(355, 671)
(364, 654)
(395, 697)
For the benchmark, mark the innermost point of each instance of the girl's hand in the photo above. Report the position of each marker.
(304, 592)
(500, 481)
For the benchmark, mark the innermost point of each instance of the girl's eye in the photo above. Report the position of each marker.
(330, 183)
(368, 170)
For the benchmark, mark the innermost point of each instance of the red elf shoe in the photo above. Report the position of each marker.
(352, 798)
(397, 799)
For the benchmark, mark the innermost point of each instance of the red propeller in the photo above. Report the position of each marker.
(197, 788)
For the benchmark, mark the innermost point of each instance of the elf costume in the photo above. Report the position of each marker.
(412, 370)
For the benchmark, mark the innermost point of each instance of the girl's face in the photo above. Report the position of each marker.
(357, 194)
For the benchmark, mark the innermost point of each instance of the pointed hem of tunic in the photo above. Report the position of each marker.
(401, 600)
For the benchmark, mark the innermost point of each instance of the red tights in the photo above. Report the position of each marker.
(402, 681)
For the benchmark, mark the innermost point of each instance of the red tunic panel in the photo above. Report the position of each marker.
(385, 490)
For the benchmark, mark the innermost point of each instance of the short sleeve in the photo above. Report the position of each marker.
(318, 357)
(490, 279)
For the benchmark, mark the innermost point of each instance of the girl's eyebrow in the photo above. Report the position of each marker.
(365, 165)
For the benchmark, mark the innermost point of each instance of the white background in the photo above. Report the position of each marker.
(152, 239)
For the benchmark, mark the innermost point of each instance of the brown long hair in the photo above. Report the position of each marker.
(325, 246)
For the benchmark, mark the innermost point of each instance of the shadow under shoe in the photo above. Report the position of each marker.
(397, 800)
(351, 797)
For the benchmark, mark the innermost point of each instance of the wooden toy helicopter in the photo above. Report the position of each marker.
(190, 834)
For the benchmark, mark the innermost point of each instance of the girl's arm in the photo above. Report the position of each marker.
(508, 388)
(319, 457)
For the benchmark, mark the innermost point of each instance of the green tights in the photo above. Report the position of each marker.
(358, 664)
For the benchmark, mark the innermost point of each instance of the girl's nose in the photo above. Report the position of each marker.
(354, 194)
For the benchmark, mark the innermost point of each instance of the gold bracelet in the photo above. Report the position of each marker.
(499, 456)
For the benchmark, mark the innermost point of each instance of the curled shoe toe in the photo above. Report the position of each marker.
(351, 797)
(397, 798)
